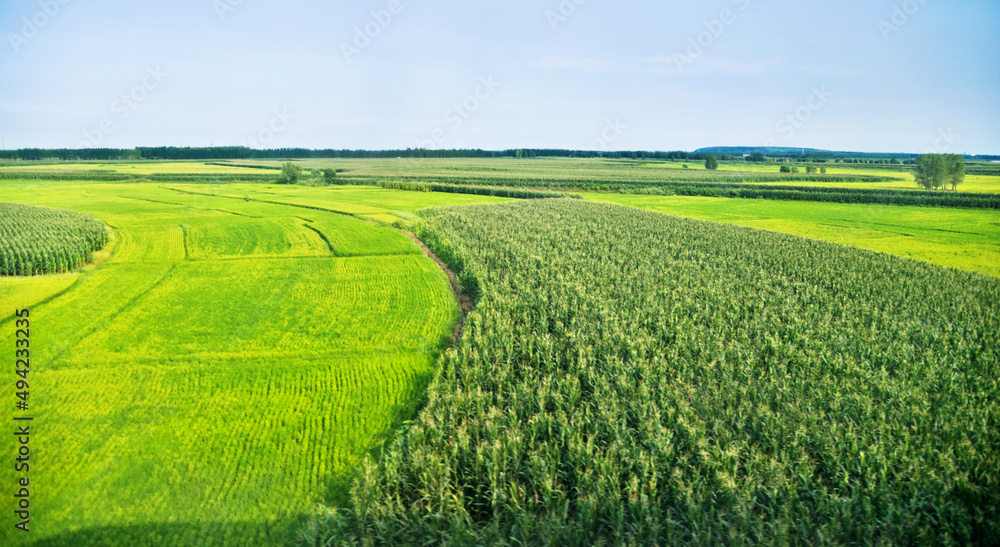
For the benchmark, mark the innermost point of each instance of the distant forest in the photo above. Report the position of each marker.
(244, 153)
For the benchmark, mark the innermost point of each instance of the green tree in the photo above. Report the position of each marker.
(711, 163)
(811, 169)
(330, 176)
(785, 169)
(291, 173)
(930, 171)
(822, 170)
(955, 167)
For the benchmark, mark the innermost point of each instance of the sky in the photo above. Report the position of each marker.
(861, 75)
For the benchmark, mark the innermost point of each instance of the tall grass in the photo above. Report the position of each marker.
(40, 240)
(633, 378)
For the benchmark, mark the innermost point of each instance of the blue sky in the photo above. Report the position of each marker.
(906, 76)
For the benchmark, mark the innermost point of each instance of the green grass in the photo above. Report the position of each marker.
(26, 291)
(632, 378)
(958, 238)
(226, 369)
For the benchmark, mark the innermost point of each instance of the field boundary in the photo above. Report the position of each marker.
(323, 237)
(193, 207)
(464, 301)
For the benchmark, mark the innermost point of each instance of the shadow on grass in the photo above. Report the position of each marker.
(195, 533)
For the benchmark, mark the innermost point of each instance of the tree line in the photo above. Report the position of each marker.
(244, 153)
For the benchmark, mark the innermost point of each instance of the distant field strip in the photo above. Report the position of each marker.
(965, 239)
(224, 372)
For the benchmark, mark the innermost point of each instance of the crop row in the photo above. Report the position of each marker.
(39, 240)
(879, 196)
(634, 378)
(623, 178)
(515, 193)
(727, 186)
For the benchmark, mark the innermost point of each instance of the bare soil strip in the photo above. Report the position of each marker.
(463, 301)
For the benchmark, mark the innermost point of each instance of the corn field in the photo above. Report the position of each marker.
(40, 240)
(629, 377)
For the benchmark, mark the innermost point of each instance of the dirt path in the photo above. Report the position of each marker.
(463, 301)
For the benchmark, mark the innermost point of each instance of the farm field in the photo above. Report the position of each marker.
(973, 183)
(240, 338)
(958, 238)
(629, 377)
(366, 202)
(225, 370)
(137, 168)
(41, 240)
(519, 274)
(560, 170)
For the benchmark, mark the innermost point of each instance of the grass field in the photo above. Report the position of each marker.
(226, 369)
(958, 238)
(631, 378)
